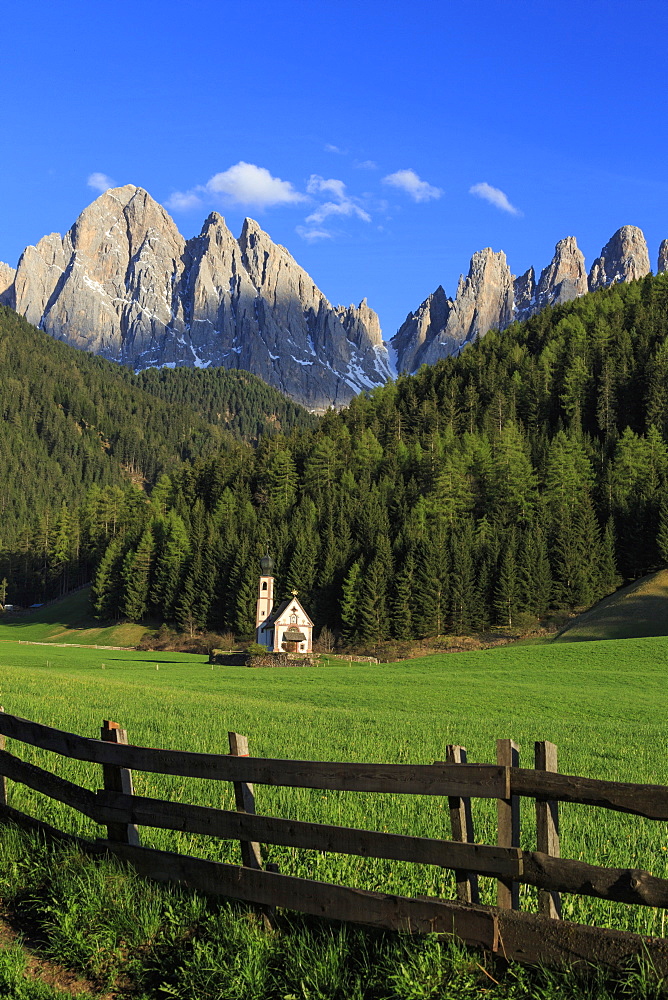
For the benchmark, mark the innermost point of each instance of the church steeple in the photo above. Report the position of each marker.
(265, 595)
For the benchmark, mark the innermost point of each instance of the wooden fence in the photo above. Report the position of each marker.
(503, 929)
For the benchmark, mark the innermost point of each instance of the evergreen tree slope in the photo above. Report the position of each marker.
(527, 474)
(78, 431)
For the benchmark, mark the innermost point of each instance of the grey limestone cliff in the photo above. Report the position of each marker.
(623, 258)
(662, 263)
(125, 284)
(484, 301)
(7, 276)
(430, 317)
(490, 298)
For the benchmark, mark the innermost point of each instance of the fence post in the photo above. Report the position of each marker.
(547, 827)
(3, 780)
(508, 831)
(461, 822)
(251, 855)
(118, 779)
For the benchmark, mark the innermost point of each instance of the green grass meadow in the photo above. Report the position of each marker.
(639, 609)
(70, 621)
(605, 705)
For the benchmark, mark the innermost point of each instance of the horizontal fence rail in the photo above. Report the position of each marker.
(473, 780)
(497, 929)
(464, 780)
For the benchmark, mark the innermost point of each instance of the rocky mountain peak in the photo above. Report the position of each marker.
(428, 320)
(565, 277)
(361, 324)
(125, 284)
(7, 276)
(490, 298)
(484, 301)
(623, 258)
(524, 291)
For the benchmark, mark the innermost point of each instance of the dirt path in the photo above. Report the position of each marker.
(45, 971)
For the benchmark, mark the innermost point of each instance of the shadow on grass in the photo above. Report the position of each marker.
(636, 615)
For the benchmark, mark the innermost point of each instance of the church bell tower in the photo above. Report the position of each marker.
(265, 597)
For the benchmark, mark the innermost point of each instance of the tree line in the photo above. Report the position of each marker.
(74, 423)
(527, 474)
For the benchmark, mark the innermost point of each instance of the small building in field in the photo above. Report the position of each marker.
(286, 628)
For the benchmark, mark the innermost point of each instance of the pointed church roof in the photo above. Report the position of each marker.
(284, 606)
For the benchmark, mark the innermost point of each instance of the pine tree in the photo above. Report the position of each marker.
(662, 532)
(608, 574)
(303, 562)
(280, 480)
(60, 555)
(246, 575)
(136, 577)
(462, 582)
(430, 596)
(172, 549)
(352, 586)
(507, 591)
(106, 588)
(186, 606)
(373, 619)
(535, 575)
(401, 622)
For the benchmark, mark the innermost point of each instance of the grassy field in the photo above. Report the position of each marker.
(637, 611)
(603, 704)
(70, 621)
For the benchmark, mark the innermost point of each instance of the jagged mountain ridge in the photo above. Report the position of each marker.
(123, 283)
(490, 297)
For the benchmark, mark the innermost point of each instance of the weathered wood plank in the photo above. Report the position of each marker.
(461, 824)
(469, 780)
(3, 778)
(641, 800)
(522, 937)
(529, 867)
(531, 938)
(49, 784)
(508, 831)
(472, 780)
(118, 779)
(625, 885)
(334, 902)
(547, 826)
(312, 836)
(251, 854)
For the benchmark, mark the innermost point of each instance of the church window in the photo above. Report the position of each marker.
(264, 585)
(293, 619)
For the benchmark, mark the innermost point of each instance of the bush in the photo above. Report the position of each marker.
(255, 649)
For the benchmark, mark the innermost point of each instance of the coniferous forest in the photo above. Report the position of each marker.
(84, 441)
(527, 474)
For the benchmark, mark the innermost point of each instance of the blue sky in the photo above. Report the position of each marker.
(381, 142)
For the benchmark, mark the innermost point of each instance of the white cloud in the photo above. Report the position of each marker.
(312, 234)
(248, 184)
(183, 201)
(367, 165)
(99, 182)
(330, 148)
(317, 184)
(343, 206)
(494, 196)
(346, 208)
(408, 181)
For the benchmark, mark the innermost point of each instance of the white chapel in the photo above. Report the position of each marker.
(285, 629)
